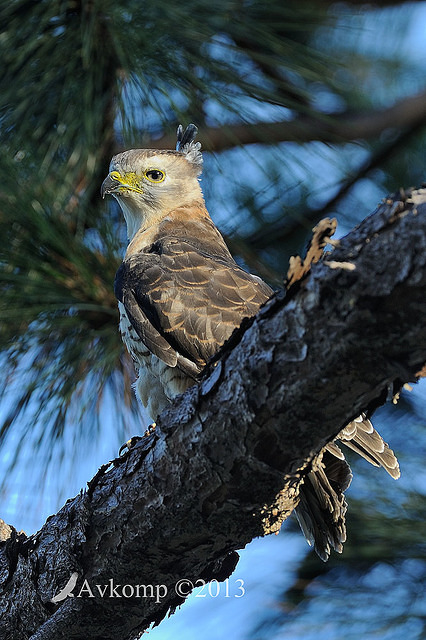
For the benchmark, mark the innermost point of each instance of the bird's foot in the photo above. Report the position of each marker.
(132, 441)
(150, 430)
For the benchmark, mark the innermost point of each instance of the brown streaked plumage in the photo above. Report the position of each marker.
(181, 295)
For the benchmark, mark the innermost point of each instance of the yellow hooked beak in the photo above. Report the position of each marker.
(115, 183)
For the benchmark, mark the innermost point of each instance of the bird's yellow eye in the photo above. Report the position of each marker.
(154, 175)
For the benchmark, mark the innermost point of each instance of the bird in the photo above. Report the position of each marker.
(180, 297)
(66, 592)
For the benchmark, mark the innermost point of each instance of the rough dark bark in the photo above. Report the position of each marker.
(225, 462)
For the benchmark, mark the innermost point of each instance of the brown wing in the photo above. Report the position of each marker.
(184, 303)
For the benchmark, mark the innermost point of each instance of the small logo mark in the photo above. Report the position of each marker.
(66, 591)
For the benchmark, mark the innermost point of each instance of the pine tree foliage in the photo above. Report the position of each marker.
(79, 80)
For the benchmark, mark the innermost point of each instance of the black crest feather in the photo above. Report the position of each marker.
(185, 137)
(186, 145)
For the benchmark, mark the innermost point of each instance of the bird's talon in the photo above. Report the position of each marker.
(128, 445)
(132, 441)
(150, 429)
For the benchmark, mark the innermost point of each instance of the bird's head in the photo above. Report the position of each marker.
(149, 183)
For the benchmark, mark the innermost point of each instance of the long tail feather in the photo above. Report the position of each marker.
(361, 436)
(322, 506)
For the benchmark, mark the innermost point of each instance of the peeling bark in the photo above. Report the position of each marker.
(226, 460)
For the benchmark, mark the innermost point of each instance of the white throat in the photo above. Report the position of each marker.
(134, 219)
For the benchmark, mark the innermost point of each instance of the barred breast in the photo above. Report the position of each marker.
(157, 383)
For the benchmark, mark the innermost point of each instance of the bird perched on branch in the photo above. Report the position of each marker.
(181, 295)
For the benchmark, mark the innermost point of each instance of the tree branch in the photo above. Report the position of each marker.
(284, 229)
(225, 462)
(374, 3)
(335, 128)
